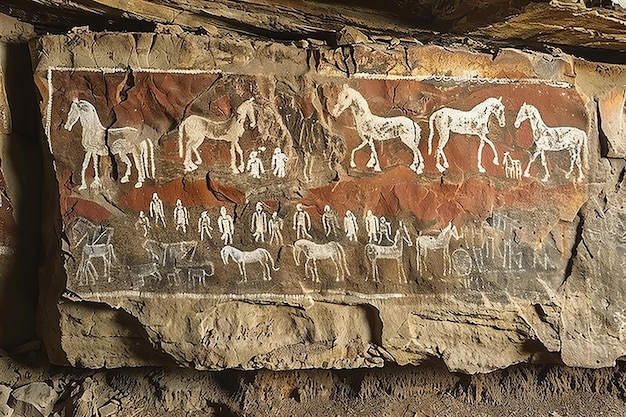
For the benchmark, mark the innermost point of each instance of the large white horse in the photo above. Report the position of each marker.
(193, 130)
(547, 138)
(440, 242)
(375, 252)
(93, 137)
(472, 122)
(122, 140)
(242, 258)
(371, 127)
(314, 252)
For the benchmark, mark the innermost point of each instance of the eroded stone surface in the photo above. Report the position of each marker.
(402, 213)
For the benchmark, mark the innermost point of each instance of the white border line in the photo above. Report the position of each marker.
(347, 296)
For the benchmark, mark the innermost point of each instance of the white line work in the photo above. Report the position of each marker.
(371, 127)
(181, 216)
(314, 252)
(226, 226)
(171, 254)
(279, 162)
(275, 225)
(93, 137)
(329, 221)
(350, 226)
(432, 243)
(258, 227)
(473, 122)
(301, 222)
(127, 140)
(512, 167)
(143, 222)
(156, 209)
(255, 165)
(375, 252)
(194, 129)
(371, 227)
(139, 273)
(553, 139)
(242, 258)
(204, 225)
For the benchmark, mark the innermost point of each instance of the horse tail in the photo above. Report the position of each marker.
(431, 133)
(181, 130)
(269, 256)
(151, 156)
(342, 255)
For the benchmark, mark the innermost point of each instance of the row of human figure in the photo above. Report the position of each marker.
(262, 225)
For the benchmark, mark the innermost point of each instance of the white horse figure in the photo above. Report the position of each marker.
(129, 141)
(314, 252)
(547, 138)
(375, 252)
(472, 122)
(242, 258)
(372, 127)
(441, 242)
(122, 141)
(194, 129)
(93, 137)
(512, 167)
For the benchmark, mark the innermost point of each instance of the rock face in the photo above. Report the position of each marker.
(242, 204)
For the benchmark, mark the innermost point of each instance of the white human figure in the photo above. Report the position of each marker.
(144, 222)
(204, 225)
(181, 216)
(275, 225)
(156, 209)
(255, 165)
(259, 223)
(279, 161)
(226, 226)
(301, 222)
(371, 226)
(350, 226)
(384, 230)
(329, 221)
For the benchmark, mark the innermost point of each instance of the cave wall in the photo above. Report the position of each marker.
(550, 293)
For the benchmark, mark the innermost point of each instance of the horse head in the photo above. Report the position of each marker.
(522, 114)
(343, 101)
(225, 253)
(73, 115)
(247, 110)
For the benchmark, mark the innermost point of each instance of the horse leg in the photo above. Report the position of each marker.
(444, 136)
(240, 153)
(96, 162)
(358, 148)
(126, 162)
(579, 163)
(315, 273)
(493, 148)
(401, 274)
(545, 166)
(418, 159)
(83, 185)
(337, 269)
(242, 272)
(373, 162)
(139, 166)
(189, 165)
(532, 159)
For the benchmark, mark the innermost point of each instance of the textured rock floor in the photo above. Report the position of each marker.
(430, 390)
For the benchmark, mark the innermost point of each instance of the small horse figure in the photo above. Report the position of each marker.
(547, 138)
(93, 137)
(371, 127)
(315, 252)
(472, 122)
(375, 252)
(242, 258)
(441, 242)
(512, 167)
(194, 129)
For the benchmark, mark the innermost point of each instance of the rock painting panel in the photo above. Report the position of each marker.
(368, 185)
